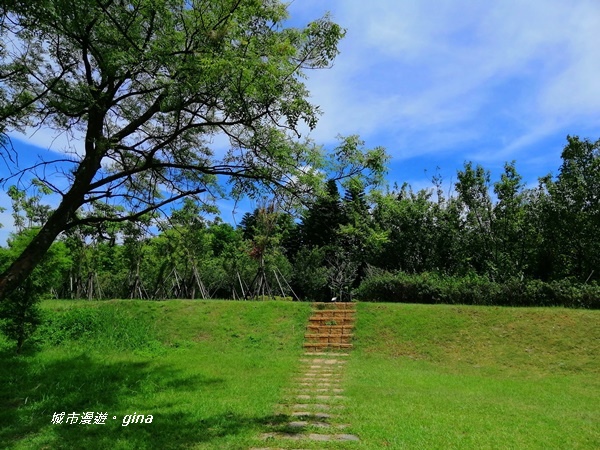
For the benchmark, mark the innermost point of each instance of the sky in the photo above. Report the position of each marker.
(440, 82)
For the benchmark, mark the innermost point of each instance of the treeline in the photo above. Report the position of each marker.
(489, 242)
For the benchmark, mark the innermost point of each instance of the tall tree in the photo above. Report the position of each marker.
(572, 214)
(148, 84)
(474, 198)
(508, 227)
(321, 222)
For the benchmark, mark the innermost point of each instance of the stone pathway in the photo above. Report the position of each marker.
(314, 409)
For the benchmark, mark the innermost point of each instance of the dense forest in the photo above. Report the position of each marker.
(483, 241)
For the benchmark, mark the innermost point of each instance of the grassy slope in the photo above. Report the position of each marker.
(211, 372)
(475, 377)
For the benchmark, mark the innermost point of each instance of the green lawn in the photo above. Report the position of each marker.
(211, 373)
(438, 376)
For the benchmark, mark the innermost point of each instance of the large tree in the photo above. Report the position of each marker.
(571, 213)
(147, 86)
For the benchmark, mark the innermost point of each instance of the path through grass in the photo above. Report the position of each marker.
(211, 373)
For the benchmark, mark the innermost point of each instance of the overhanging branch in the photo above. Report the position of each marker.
(99, 219)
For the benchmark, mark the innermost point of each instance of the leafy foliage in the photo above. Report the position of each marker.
(432, 288)
(148, 85)
(19, 312)
(516, 246)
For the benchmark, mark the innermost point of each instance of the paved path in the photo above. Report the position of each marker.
(314, 407)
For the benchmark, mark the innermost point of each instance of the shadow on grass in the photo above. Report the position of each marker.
(32, 389)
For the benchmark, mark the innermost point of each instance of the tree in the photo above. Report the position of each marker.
(508, 226)
(358, 240)
(264, 229)
(147, 85)
(572, 212)
(322, 219)
(410, 222)
(28, 211)
(135, 237)
(473, 196)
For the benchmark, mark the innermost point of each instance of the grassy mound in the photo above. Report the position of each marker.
(211, 372)
(208, 372)
(439, 376)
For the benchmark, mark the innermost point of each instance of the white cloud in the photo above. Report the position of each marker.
(430, 69)
(50, 139)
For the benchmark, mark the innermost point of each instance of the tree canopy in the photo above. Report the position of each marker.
(147, 86)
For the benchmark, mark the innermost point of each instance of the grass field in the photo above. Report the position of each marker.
(445, 377)
(210, 374)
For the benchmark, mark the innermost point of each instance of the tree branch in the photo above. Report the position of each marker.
(135, 216)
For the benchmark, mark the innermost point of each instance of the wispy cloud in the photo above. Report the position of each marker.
(445, 74)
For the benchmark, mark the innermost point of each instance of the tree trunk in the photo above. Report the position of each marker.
(33, 254)
(58, 222)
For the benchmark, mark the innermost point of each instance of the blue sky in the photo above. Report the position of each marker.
(440, 82)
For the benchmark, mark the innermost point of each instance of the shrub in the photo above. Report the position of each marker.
(19, 311)
(432, 288)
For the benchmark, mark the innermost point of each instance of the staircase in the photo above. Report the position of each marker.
(314, 409)
(330, 327)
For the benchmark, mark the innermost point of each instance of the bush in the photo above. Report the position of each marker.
(19, 311)
(433, 288)
(309, 277)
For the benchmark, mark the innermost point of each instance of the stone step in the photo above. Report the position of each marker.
(316, 390)
(327, 345)
(316, 407)
(311, 436)
(326, 361)
(319, 397)
(333, 329)
(323, 369)
(334, 313)
(329, 321)
(331, 384)
(329, 339)
(323, 376)
(314, 380)
(328, 354)
(272, 448)
(300, 424)
(328, 336)
(313, 415)
(275, 448)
